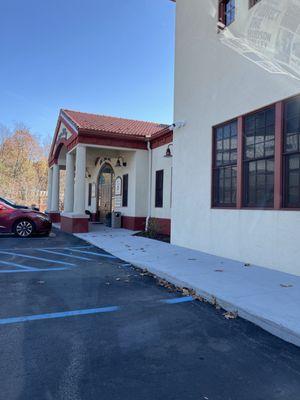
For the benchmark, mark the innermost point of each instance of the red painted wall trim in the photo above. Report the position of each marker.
(54, 217)
(113, 142)
(166, 138)
(278, 180)
(164, 225)
(240, 169)
(74, 225)
(134, 223)
(139, 224)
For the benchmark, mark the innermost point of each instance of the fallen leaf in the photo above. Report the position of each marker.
(230, 315)
(286, 285)
(247, 265)
(199, 298)
(117, 279)
(219, 270)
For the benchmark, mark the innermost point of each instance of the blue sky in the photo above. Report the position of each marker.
(113, 57)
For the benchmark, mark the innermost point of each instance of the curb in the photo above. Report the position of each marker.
(268, 325)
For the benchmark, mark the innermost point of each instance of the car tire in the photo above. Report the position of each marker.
(23, 228)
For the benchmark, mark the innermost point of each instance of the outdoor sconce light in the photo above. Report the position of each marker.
(101, 160)
(119, 163)
(168, 152)
(87, 173)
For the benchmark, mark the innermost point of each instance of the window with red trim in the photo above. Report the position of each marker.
(259, 152)
(159, 188)
(292, 153)
(225, 165)
(125, 191)
(226, 11)
(260, 163)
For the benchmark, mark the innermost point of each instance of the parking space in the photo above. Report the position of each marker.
(78, 323)
(47, 259)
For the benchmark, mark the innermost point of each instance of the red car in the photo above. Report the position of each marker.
(23, 222)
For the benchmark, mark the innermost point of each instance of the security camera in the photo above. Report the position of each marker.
(178, 125)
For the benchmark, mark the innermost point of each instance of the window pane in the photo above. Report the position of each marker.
(259, 178)
(269, 148)
(219, 133)
(229, 11)
(233, 156)
(225, 186)
(225, 165)
(292, 125)
(259, 150)
(125, 191)
(292, 108)
(260, 129)
(293, 181)
(291, 143)
(159, 184)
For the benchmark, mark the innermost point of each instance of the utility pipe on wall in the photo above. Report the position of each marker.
(149, 183)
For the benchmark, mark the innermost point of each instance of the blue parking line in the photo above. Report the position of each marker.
(64, 254)
(92, 253)
(68, 248)
(178, 300)
(14, 271)
(36, 258)
(65, 314)
(12, 264)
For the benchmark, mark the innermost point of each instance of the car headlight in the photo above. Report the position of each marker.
(43, 217)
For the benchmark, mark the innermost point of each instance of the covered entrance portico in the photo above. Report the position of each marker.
(108, 167)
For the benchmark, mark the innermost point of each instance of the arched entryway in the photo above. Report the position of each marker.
(105, 198)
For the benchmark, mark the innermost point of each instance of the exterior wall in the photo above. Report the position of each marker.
(134, 215)
(214, 83)
(130, 169)
(160, 162)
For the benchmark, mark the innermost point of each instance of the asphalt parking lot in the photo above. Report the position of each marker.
(79, 324)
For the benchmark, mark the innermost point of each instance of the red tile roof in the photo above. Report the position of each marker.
(114, 125)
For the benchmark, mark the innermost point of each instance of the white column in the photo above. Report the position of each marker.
(79, 191)
(49, 198)
(69, 183)
(55, 188)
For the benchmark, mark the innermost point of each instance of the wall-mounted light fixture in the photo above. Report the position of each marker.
(87, 173)
(168, 152)
(120, 162)
(101, 160)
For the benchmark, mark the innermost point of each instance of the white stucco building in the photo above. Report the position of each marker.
(236, 165)
(232, 187)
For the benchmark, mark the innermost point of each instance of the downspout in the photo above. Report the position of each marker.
(149, 183)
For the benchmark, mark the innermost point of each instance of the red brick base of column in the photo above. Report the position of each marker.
(74, 224)
(54, 217)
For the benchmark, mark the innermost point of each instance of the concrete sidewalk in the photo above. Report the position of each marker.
(268, 298)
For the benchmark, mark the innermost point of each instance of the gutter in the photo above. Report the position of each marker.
(149, 183)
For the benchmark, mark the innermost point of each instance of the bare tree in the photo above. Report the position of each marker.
(23, 166)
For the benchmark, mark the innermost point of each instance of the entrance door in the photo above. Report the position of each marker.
(105, 191)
